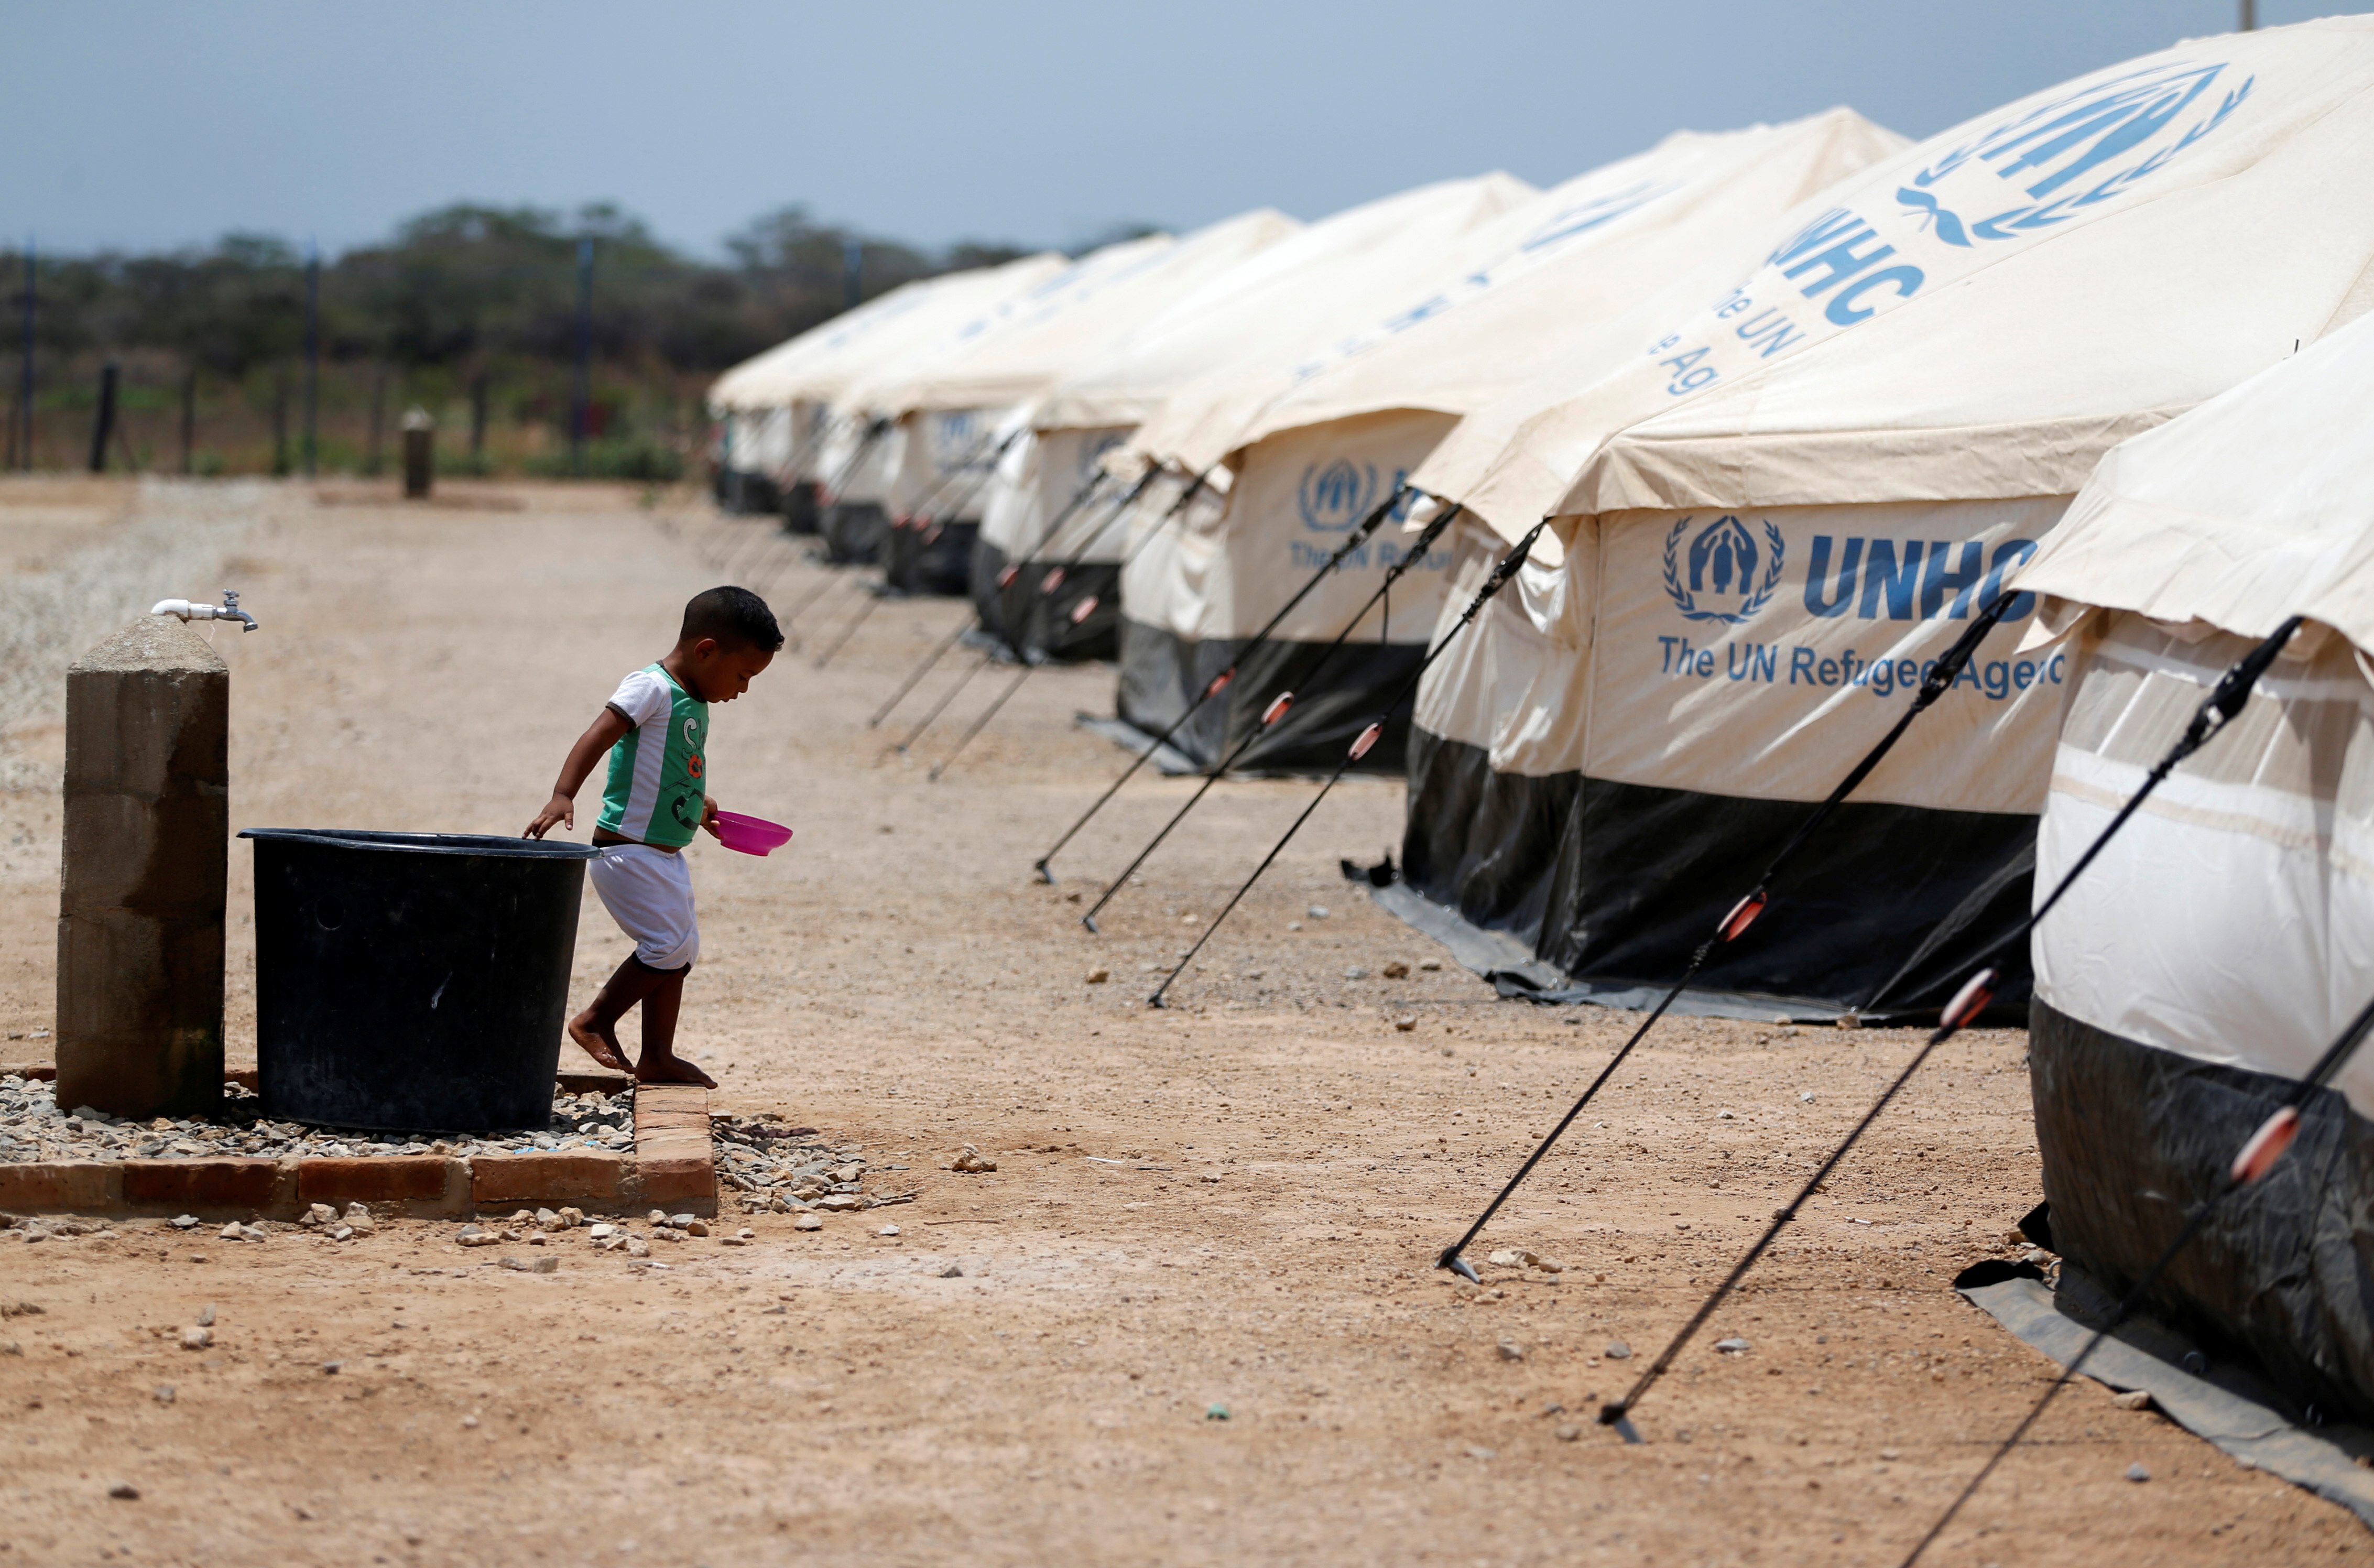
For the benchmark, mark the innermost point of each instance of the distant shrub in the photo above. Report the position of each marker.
(617, 457)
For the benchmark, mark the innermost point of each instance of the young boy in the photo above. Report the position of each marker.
(655, 728)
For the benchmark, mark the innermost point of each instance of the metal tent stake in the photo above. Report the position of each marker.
(1219, 683)
(1367, 738)
(1279, 707)
(2213, 713)
(1080, 612)
(1734, 924)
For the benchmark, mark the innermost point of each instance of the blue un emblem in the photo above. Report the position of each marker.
(1334, 496)
(1724, 572)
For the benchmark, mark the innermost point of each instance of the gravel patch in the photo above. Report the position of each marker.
(33, 1126)
(782, 1168)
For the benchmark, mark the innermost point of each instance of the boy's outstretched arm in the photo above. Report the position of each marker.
(600, 736)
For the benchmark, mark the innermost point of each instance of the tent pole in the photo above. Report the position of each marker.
(757, 550)
(1358, 536)
(2215, 711)
(965, 624)
(2258, 1156)
(1941, 678)
(874, 431)
(1279, 707)
(1368, 737)
(1048, 584)
(940, 707)
(874, 601)
(979, 724)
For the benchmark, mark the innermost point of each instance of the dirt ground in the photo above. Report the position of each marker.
(1228, 1207)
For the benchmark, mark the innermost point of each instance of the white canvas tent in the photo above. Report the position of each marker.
(954, 405)
(758, 432)
(2205, 959)
(773, 408)
(1301, 290)
(865, 447)
(1314, 436)
(1788, 498)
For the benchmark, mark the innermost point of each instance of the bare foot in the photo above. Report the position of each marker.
(671, 1070)
(597, 1042)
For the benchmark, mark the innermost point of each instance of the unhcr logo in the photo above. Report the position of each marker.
(1092, 453)
(952, 438)
(1724, 573)
(2079, 150)
(1595, 212)
(1334, 496)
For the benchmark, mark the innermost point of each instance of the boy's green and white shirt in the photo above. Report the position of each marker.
(656, 781)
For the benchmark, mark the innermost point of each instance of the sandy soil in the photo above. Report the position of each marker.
(897, 979)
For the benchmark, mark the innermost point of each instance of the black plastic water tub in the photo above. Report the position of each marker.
(412, 981)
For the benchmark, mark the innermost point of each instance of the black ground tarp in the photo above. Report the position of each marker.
(2132, 1137)
(1015, 612)
(2225, 1402)
(928, 557)
(1617, 885)
(801, 514)
(854, 533)
(745, 494)
(1479, 841)
(1336, 697)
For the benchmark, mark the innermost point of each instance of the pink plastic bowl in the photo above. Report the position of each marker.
(751, 836)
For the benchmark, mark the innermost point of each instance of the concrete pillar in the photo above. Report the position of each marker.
(147, 846)
(419, 453)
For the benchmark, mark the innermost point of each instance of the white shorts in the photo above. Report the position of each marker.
(649, 893)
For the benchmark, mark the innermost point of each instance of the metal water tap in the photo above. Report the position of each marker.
(226, 610)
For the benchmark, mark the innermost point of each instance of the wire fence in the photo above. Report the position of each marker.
(173, 544)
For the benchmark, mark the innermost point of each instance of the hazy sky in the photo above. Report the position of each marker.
(160, 124)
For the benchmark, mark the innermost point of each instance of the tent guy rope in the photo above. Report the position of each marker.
(1048, 584)
(1279, 706)
(1939, 680)
(1360, 536)
(2215, 711)
(2258, 1156)
(1368, 736)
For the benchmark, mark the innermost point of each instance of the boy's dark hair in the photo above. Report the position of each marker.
(735, 617)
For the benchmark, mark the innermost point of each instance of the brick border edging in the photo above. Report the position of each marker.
(672, 1168)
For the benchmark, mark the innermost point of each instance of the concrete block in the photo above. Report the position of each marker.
(678, 1183)
(202, 1186)
(654, 1097)
(418, 1183)
(571, 1177)
(74, 1186)
(146, 848)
